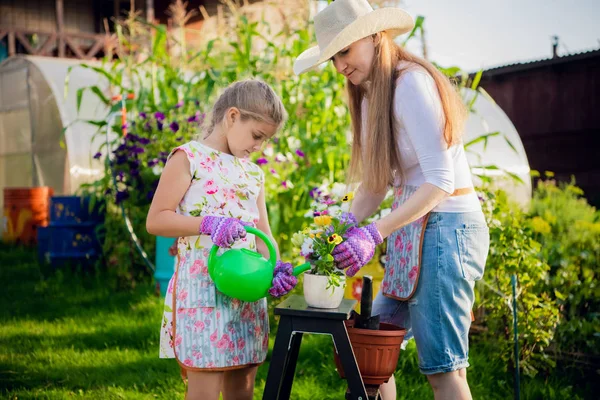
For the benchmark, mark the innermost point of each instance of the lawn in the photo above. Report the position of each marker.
(65, 335)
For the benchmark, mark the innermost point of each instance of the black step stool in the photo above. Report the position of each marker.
(298, 318)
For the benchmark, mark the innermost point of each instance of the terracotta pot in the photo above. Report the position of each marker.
(25, 209)
(376, 352)
(316, 293)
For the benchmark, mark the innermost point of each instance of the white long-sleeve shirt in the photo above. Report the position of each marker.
(424, 154)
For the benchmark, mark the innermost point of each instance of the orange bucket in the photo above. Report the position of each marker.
(24, 210)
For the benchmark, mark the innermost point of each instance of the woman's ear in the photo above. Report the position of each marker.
(377, 39)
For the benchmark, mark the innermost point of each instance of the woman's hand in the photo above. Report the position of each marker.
(223, 231)
(358, 248)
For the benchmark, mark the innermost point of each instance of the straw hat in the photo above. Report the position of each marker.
(343, 22)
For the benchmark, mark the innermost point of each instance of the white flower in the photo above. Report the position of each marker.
(269, 150)
(335, 211)
(339, 190)
(385, 212)
(280, 157)
(307, 247)
(157, 170)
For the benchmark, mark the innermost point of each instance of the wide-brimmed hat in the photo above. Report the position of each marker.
(343, 22)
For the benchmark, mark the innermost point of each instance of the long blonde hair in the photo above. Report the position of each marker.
(376, 163)
(254, 99)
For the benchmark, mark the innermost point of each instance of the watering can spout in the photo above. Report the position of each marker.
(301, 268)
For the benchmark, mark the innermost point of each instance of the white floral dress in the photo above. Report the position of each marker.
(201, 327)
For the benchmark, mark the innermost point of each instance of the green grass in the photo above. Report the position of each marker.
(66, 335)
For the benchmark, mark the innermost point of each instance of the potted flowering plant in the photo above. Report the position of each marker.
(324, 284)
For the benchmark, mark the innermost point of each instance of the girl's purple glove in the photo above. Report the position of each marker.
(358, 248)
(283, 279)
(223, 231)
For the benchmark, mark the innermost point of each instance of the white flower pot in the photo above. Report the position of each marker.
(316, 293)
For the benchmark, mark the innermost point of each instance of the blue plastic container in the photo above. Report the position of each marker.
(164, 263)
(71, 234)
(70, 210)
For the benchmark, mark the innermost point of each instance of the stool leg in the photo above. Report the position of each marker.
(290, 366)
(344, 349)
(278, 359)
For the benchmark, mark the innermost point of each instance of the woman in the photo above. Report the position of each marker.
(407, 121)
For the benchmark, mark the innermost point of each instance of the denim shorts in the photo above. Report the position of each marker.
(438, 316)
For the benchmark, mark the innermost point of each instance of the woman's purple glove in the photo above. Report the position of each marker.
(358, 248)
(283, 279)
(223, 231)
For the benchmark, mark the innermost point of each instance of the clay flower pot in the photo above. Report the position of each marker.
(376, 352)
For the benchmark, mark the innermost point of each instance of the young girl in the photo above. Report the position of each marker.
(207, 192)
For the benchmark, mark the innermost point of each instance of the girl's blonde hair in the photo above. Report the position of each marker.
(376, 163)
(254, 99)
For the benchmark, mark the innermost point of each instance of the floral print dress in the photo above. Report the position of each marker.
(201, 327)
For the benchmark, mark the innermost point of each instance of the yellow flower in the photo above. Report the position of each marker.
(539, 225)
(323, 220)
(335, 239)
(349, 196)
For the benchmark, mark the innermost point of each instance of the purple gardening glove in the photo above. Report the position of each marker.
(358, 248)
(223, 231)
(283, 279)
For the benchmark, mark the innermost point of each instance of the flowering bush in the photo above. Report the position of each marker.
(330, 220)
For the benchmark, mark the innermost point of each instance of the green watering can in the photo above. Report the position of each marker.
(245, 274)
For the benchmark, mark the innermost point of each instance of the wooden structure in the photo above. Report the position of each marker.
(82, 29)
(553, 104)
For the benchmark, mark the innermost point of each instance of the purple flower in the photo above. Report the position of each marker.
(276, 140)
(147, 126)
(121, 159)
(273, 171)
(348, 218)
(262, 161)
(193, 118)
(159, 125)
(143, 115)
(179, 104)
(97, 155)
(329, 230)
(108, 191)
(144, 141)
(121, 196)
(150, 195)
(314, 192)
(125, 126)
(137, 150)
(120, 176)
(159, 116)
(153, 162)
(284, 184)
(196, 102)
(300, 153)
(174, 126)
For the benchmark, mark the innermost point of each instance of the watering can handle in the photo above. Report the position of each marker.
(260, 234)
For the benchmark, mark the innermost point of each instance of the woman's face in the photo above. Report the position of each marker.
(355, 62)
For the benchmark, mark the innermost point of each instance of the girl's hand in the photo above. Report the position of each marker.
(223, 231)
(283, 279)
(358, 248)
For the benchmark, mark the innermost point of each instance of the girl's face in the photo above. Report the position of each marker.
(355, 62)
(247, 136)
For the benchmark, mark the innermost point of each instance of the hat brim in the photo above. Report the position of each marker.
(393, 20)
